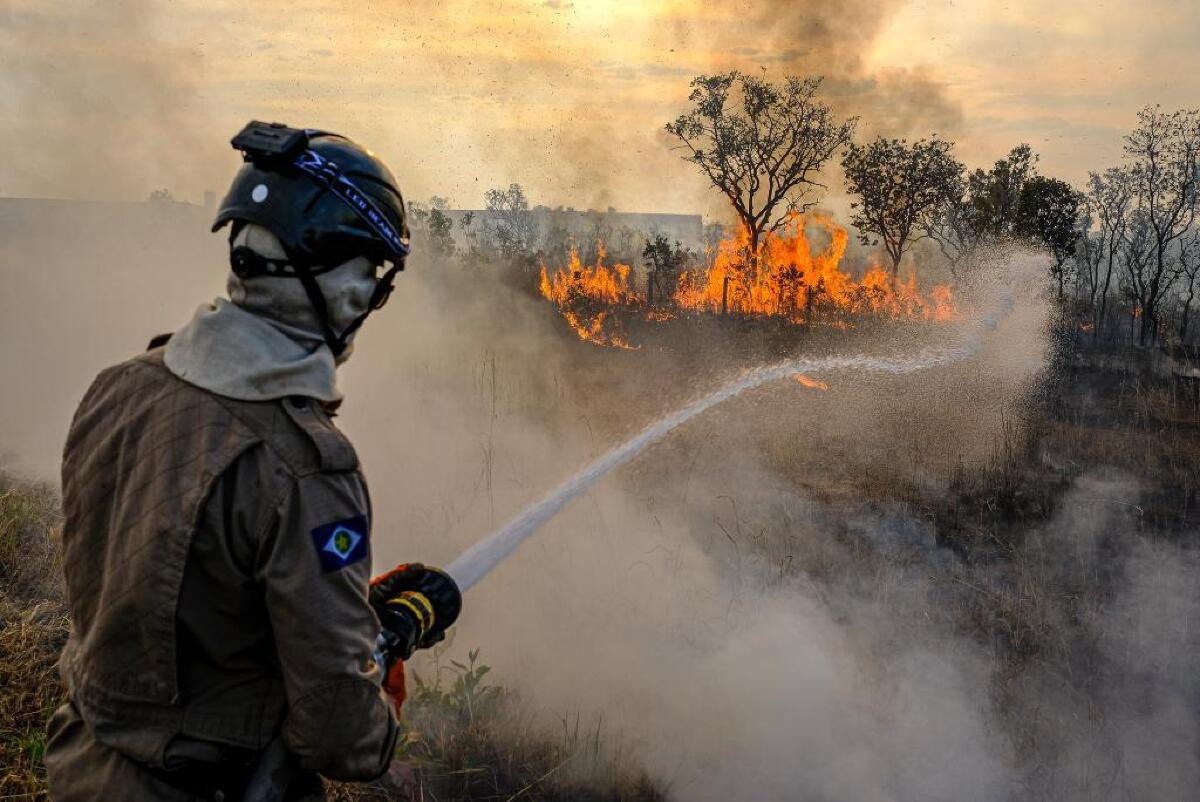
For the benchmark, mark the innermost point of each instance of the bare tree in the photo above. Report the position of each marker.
(511, 223)
(955, 230)
(1189, 272)
(1164, 149)
(1109, 199)
(1089, 259)
(761, 144)
(1137, 257)
(900, 189)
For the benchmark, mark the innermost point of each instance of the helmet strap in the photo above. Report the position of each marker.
(247, 263)
(383, 291)
(337, 344)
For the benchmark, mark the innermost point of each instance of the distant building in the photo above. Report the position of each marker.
(687, 229)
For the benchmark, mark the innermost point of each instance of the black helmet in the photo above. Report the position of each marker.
(315, 224)
(326, 199)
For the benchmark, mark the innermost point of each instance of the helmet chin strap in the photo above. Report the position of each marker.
(337, 343)
(379, 296)
(248, 262)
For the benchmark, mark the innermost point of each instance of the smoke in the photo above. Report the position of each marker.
(834, 39)
(658, 599)
(117, 99)
(100, 103)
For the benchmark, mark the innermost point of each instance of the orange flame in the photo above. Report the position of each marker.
(808, 381)
(585, 294)
(785, 279)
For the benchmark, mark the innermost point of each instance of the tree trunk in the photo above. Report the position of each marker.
(1100, 318)
(1183, 320)
(1147, 330)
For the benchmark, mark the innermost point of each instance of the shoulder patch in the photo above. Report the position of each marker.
(341, 543)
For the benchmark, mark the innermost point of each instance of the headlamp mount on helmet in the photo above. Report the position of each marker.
(270, 141)
(290, 172)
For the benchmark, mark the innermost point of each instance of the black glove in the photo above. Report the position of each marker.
(416, 604)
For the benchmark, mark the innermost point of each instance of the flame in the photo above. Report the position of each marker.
(786, 279)
(789, 280)
(808, 381)
(585, 295)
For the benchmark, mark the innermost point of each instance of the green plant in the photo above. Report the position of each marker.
(467, 698)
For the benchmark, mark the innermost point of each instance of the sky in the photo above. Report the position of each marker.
(115, 98)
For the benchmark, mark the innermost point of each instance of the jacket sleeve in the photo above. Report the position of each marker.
(314, 563)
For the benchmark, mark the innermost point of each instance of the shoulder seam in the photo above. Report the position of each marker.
(288, 463)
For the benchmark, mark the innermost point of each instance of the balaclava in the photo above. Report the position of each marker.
(266, 342)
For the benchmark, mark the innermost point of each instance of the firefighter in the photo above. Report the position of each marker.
(217, 531)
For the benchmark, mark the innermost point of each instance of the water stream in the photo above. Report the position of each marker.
(475, 563)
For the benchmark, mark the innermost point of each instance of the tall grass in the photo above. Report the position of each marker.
(33, 629)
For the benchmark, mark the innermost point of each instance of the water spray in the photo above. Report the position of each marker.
(477, 561)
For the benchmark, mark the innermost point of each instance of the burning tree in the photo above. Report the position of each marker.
(760, 144)
(900, 189)
(664, 264)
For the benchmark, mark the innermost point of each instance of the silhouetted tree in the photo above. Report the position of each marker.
(1047, 215)
(900, 189)
(994, 194)
(1109, 201)
(1165, 149)
(1137, 258)
(984, 211)
(511, 223)
(1189, 273)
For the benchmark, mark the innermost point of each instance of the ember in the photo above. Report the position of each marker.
(808, 381)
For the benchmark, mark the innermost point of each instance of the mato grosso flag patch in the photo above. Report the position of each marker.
(341, 543)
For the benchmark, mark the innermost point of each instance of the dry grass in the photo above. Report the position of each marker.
(30, 640)
(33, 629)
(470, 740)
